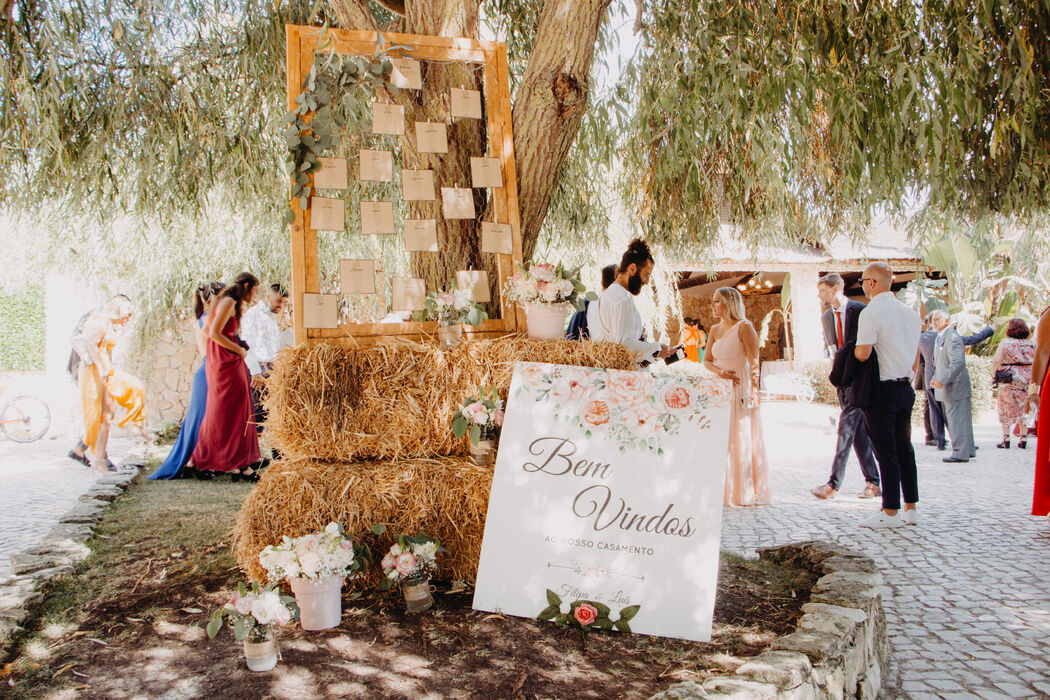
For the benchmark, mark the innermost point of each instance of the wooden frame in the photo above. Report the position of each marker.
(302, 45)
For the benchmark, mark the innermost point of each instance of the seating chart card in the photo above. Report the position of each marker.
(486, 172)
(457, 202)
(421, 235)
(406, 74)
(409, 293)
(377, 218)
(417, 185)
(388, 118)
(331, 175)
(320, 311)
(327, 214)
(496, 238)
(477, 281)
(357, 276)
(431, 137)
(466, 103)
(376, 166)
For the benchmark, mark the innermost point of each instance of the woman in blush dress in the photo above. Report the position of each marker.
(227, 441)
(182, 450)
(1014, 354)
(732, 353)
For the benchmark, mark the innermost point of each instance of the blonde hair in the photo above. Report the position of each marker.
(734, 302)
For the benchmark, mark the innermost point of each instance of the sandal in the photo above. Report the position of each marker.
(199, 474)
(1023, 443)
(1005, 444)
(83, 459)
(250, 475)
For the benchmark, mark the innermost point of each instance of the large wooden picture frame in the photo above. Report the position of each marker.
(302, 45)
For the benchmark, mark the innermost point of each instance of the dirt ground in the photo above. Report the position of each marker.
(130, 623)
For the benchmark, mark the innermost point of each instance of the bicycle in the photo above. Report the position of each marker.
(25, 418)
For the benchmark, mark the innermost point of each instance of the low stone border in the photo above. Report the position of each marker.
(62, 548)
(839, 648)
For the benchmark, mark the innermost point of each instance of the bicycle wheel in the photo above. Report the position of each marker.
(25, 418)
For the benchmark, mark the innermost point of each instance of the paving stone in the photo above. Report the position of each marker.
(682, 691)
(85, 512)
(75, 532)
(739, 689)
(784, 669)
(102, 493)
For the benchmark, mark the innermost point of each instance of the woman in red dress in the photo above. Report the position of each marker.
(228, 441)
(1041, 496)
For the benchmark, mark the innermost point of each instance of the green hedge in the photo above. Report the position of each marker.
(22, 330)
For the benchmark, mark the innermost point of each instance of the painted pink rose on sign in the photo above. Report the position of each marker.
(719, 390)
(677, 399)
(573, 385)
(643, 421)
(532, 375)
(596, 413)
(627, 389)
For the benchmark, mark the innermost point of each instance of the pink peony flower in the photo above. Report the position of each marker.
(586, 614)
(596, 413)
(677, 398)
(544, 272)
(389, 562)
(499, 416)
(573, 385)
(642, 421)
(628, 389)
(533, 374)
(406, 563)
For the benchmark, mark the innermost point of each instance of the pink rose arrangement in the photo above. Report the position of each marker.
(477, 414)
(314, 556)
(410, 557)
(253, 612)
(586, 614)
(544, 283)
(457, 306)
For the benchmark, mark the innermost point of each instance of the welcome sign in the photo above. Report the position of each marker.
(608, 489)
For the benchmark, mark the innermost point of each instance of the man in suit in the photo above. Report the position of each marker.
(933, 414)
(951, 384)
(840, 327)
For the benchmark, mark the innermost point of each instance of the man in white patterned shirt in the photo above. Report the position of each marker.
(260, 330)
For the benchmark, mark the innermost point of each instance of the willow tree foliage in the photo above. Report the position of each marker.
(792, 119)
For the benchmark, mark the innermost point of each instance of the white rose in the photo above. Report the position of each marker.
(311, 564)
(566, 288)
(332, 529)
(550, 293)
(528, 290)
(261, 611)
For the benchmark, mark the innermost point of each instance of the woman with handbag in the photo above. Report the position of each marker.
(1012, 369)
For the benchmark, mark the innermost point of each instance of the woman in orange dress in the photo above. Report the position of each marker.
(103, 388)
(1036, 397)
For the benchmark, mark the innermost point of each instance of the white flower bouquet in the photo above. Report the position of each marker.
(253, 612)
(410, 558)
(478, 413)
(313, 557)
(454, 306)
(544, 283)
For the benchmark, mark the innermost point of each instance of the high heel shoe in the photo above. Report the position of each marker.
(1005, 444)
(198, 474)
(1023, 443)
(250, 476)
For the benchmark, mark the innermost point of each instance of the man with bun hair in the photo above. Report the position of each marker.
(614, 316)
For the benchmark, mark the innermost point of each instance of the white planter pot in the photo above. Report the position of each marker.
(320, 602)
(547, 321)
(261, 656)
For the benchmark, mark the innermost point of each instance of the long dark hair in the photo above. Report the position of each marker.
(637, 253)
(238, 291)
(203, 294)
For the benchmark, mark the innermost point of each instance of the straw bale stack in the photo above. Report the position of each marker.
(395, 399)
(445, 497)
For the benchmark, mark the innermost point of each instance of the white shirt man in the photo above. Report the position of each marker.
(893, 329)
(260, 330)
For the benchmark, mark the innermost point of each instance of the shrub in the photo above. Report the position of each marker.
(818, 373)
(22, 330)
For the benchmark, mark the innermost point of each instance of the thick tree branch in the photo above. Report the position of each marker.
(352, 14)
(551, 102)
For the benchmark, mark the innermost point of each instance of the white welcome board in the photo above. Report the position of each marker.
(608, 487)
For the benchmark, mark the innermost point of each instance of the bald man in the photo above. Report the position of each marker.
(888, 332)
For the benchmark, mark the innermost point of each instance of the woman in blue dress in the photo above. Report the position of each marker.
(182, 450)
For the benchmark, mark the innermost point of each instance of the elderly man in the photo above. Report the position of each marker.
(890, 330)
(951, 386)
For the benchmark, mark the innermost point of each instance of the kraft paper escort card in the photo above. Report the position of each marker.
(431, 137)
(409, 293)
(331, 175)
(457, 202)
(357, 276)
(417, 185)
(608, 487)
(377, 218)
(466, 103)
(327, 214)
(496, 238)
(486, 172)
(406, 74)
(477, 281)
(376, 166)
(320, 311)
(421, 236)
(388, 118)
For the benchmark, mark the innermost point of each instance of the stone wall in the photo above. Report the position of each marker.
(838, 650)
(168, 375)
(756, 306)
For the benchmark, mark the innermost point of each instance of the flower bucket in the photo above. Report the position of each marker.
(450, 336)
(546, 321)
(261, 655)
(484, 453)
(320, 602)
(417, 594)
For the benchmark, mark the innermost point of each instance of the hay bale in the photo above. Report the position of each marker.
(395, 399)
(446, 498)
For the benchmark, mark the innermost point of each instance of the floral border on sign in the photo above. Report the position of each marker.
(587, 614)
(635, 409)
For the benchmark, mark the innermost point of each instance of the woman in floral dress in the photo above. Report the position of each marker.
(1015, 354)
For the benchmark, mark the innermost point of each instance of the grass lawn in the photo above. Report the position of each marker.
(130, 623)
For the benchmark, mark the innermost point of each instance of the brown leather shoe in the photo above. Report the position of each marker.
(824, 492)
(870, 491)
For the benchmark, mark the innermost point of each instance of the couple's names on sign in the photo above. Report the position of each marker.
(608, 488)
